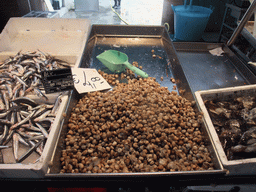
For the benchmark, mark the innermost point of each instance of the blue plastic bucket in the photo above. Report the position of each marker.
(190, 22)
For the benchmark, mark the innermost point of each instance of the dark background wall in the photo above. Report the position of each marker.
(8, 8)
(17, 8)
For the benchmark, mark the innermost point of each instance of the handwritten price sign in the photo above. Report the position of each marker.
(88, 80)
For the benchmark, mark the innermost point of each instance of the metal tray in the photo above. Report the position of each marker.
(137, 42)
(205, 71)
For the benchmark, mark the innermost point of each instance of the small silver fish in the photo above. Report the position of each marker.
(15, 145)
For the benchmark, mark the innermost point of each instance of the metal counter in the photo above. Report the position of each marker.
(205, 71)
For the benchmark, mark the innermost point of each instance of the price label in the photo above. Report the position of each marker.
(88, 80)
(57, 80)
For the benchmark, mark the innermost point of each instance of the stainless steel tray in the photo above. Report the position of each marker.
(137, 42)
(205, 71)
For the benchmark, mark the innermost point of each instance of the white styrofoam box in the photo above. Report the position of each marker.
(56, 36)
(235, 167)
(62, 38)
(38, 169)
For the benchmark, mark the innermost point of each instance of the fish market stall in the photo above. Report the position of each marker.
(81, 157)
(144, 129)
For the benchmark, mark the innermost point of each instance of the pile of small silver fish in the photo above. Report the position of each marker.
(22, 120)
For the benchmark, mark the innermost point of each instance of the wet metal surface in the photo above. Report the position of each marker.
(155, 67)
(205, 71)
(212, 71)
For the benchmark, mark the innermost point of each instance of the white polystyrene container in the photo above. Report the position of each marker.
(234, 167)
(64, 39)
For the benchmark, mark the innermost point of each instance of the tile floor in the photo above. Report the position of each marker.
(134, 12)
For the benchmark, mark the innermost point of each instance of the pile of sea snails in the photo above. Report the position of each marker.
(136, 127)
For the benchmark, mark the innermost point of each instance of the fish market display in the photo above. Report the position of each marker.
(21, 74)
(235, 123)
(137, 127)
(22, 120)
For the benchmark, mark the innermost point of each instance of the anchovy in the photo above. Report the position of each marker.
(6, 100)
(26, 75)
(56, 104)
(15, 145)
(24, 156)
(39, 112)
(45, 133)
(42, 106)
(5, 122)
(9, 137)
(33, 134)
(21, 140)
(18, 116)
(46, 122)
(37, 137)
(40, 94)
(16, 89)
(39, 149)
(4, 147)
(25, 100)
(42, 116)
(4, 114)
(23, 121)
(20, 69)
(24, 114)
(2, 105)
(30, 127)
(20, 80)
(4, 134)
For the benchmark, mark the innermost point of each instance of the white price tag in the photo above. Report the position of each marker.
(88, 80)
